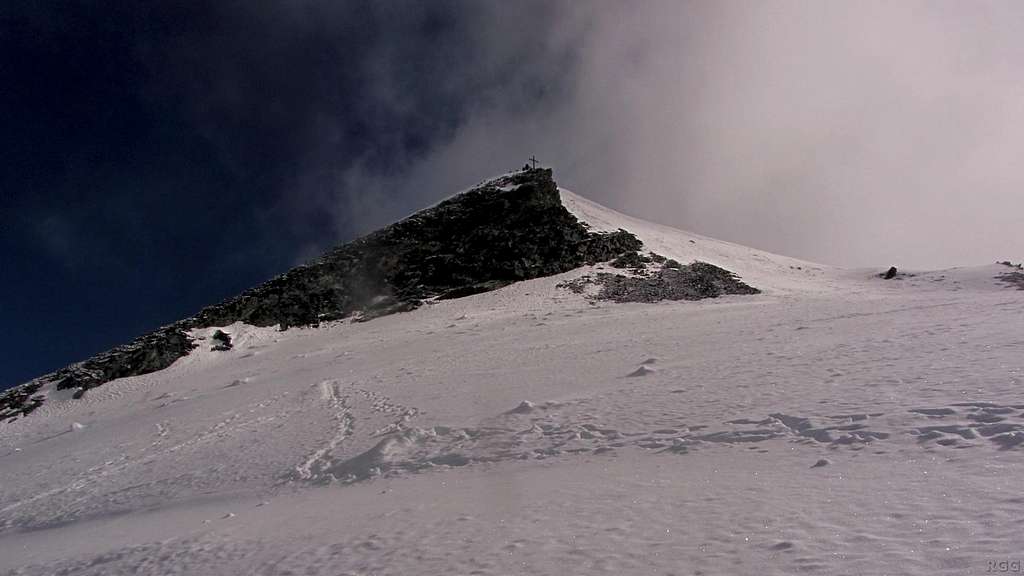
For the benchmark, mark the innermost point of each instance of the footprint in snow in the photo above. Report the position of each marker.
(525, 407)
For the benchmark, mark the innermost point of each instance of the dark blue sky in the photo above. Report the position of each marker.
(159, 157)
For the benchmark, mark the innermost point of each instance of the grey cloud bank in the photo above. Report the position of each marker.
(855, 134)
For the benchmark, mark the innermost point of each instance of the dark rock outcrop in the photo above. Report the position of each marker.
(1015, 279)
(890, 273)
(148, 353)
(692, 282)
(509, 229)
(631, 260)
(19, 401)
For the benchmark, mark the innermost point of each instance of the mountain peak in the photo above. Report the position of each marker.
(504, 230)
(511, 228)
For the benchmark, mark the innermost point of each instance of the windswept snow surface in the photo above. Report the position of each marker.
(835, 424)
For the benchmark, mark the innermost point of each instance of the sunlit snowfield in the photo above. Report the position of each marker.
(835, 424)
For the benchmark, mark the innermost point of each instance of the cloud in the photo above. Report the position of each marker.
(857, 134)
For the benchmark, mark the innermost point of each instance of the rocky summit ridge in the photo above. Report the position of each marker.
(505, 230)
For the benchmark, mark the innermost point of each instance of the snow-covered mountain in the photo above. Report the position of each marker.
(538, 393)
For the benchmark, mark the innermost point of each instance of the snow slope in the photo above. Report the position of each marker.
(835, 424)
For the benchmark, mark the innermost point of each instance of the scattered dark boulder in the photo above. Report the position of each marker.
(890, 273)
(222, 341)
